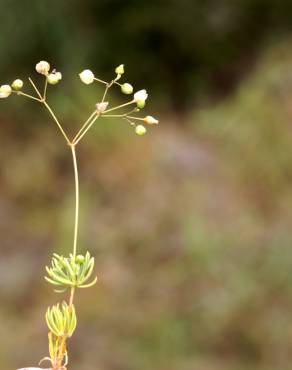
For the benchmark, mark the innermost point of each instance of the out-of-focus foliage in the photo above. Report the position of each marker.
(186, 47)
(191, 230)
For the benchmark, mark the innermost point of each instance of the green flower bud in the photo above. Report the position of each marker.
(140, 130)
(80, 259)
(120, 69)
(54, 78)
(127, 88)
(17, 84)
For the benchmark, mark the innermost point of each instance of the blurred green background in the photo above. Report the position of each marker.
(191, 224)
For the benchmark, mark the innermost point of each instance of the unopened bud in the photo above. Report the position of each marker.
(140, 98)
(127, 88)
(87, 76)
(151, 120)
(43, 67)
(120, 69)
(80, 258)
(140, 130)
(17, 84)
(54, 78)
(5, 91)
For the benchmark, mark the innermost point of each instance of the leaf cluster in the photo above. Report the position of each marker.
(62, 320)
(70, 272)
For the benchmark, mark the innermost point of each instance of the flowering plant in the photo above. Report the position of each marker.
(76, 270)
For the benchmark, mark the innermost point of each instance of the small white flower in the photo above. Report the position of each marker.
(86, 76)
(127, 88)
(140, 95)
(43, 67)
(101, 107)
(5, 91)
(54, 78)
(17, 84)
(151, 120)
(120, 69)
(140, 130)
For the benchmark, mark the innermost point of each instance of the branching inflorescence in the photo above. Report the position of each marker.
(76, 270)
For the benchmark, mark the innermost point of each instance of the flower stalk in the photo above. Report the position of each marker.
(76, 270)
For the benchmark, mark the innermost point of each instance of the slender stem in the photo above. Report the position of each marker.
(99, 80)
(36, 89)
(114, 115)
(75, 142)
(26, 95)
(105, 92)
(45, 89)
(84, 125)
(72, 291)
(76, 199)
(57, 122)
(109, 85)
(120, 106)
(138, 118)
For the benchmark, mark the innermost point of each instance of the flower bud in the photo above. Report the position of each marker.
(17, 84)
(140, 130)
(120, 69)
(5, 91)
(151, 120)
(87, 76)
(80, 259)
(43, 67)
(140, 98)
(140, 95)
(54, 78)
(127, 88)
(101, 107)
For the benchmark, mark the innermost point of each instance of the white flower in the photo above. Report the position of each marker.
(43, 67)
(101, 107)
(140, 96)
(54, 78)
(127, 88)
(17, 84)
(151, 120)
(140, 130)
(87, 76)
(5, 91)
(120, 69)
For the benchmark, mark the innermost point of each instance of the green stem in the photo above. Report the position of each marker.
(75, 142)
(76, 200)
(72, 292)
(45, 89)
(84, 125)
(26, 95)
(120, 106)
(57, 121)
(36, 89)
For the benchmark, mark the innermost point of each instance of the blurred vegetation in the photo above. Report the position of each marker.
(187, 48)
(191, 225)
